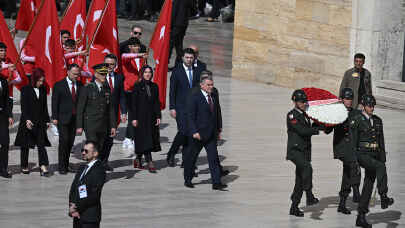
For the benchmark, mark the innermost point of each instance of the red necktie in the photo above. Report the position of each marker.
(74, 98)
(210, 103)
(111, 84)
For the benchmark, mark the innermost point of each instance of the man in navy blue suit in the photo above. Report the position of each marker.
(203, 129)
(116, 84)
(182, 80)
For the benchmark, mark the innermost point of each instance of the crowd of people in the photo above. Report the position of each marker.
(358, 143)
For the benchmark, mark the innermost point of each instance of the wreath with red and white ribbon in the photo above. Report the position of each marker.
(325, 107)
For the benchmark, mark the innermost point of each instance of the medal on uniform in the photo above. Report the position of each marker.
(355, 75)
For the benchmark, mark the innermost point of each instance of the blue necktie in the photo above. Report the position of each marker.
(190, 77)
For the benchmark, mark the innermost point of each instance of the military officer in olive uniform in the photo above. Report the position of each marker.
(344, 151)
(95, 114)
(368, 136)
(299, 131)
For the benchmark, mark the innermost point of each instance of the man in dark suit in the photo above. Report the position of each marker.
(182, 80)
(85, 191)
(203, 131)
(198, 65)
(6, 120)
(180, 14)
(119, 104)
(64, 104)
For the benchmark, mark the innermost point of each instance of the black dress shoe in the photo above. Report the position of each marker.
(62, 172)
(108, 168)
(6, 174)
(296, 212)
(189, 184)
(386, 201)
(362, 222)
(219, 186)
(170, 161)
(342, 206)
(224, 173)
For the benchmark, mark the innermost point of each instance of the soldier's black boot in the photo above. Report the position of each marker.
(342, 206)
(362, 222)
(356, 194)
(294, 210)
(386, 201)
(311, 199)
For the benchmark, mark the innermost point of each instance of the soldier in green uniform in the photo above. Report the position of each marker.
(368, 136)
(299, 131)
(95, 114)
(344, 151)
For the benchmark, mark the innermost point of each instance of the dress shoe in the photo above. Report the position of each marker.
(71, 170)
(152, 170)
(62, 172)
(189, 184)
(312, 201)
(25, 171)
(294, 210)
(108, 168)
(342, 206)
(362, 222)
(44, 173)
(170, 161)
(224, 173)
(6, 174)
(219, 186)
(356, 194)
(386, 201)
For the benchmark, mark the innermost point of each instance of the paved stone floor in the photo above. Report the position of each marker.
(253, 149)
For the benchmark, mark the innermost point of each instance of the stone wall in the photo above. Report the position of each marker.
(293, 43)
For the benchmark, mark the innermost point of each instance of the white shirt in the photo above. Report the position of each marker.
(36, 92)
(70, 84)
(188, 72)
(88, 168)
(99, 85)
(368, 117)
(1, 86)
(205, 95)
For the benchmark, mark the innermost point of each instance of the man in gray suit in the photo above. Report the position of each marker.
(358, 79)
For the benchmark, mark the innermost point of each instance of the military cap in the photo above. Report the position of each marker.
(368, 100)
(101, 68)
(299, 95)
(347, 93)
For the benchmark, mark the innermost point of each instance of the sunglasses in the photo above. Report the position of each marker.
(137, 33)
(85, 151)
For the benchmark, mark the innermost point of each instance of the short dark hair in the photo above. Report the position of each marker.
(205, 77)
(3, 45)
(135, 26)
(134, 41)
(359, 56)
(63, 32)
(111, 56)
(87, 142)
(70, 43)
(206, 72)
(188, 51)
(73, 65)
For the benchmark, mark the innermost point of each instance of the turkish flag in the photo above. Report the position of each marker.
(26, 14)
(94, 17)
(73, 21)
(12, 53)
(44, 40)
(106, 37)
(160, 45)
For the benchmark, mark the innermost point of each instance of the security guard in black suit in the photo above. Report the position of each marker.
(344, 151)
(368, 136)
(6, 120)
(95, 113)
(299, 131)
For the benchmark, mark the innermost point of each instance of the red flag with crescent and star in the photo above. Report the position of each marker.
(26, 14)
(45, 42)
(160, 44)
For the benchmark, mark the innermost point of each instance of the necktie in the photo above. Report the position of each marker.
(190, 77)
(84, 172)
(210, 103)
(111, 84)
(74, 98)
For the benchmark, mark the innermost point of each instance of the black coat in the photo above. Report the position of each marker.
(146, 109)
(118, 95)
(181, 11)
(5, 112)
(179, 92)
(36, 110)
(62, 102)
(124, 47)
(200, 119)
(89, 208)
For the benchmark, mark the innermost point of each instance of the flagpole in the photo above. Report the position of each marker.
(98, 26)
(30, 30)
(66, 9)
(87, 18)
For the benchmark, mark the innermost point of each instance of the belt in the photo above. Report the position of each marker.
(368, 145)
